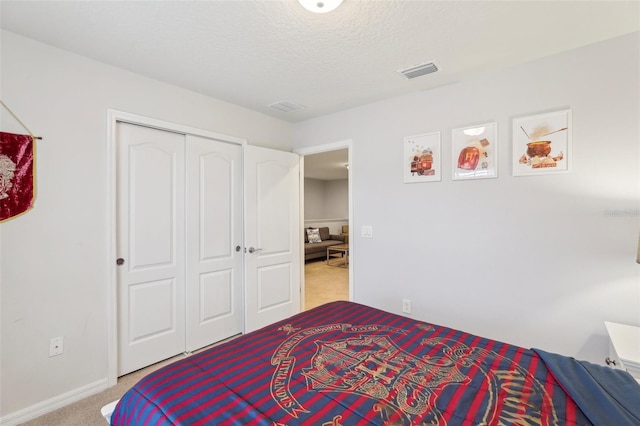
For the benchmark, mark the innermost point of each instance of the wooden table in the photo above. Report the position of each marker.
(341, 252)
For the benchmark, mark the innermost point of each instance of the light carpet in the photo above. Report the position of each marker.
(325, 283)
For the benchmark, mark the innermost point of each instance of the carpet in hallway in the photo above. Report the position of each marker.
(324, 283)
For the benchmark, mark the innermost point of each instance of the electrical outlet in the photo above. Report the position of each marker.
(56, 346)
(406, 306)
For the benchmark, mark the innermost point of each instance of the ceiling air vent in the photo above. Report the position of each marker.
(419, 70)
(286, 106)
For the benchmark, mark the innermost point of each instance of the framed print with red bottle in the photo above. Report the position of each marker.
(475, 151)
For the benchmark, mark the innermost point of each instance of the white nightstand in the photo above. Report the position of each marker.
(624, 348)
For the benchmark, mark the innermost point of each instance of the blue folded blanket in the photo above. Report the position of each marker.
(606, 396)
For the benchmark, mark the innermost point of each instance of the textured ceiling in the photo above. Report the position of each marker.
(255, 53)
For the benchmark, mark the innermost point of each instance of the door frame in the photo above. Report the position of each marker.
(317, 149)
(113, 117)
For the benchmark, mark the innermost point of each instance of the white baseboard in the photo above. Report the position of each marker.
(54, 403)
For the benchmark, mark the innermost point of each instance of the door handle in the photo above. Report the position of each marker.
(120, 261)
(254, 250)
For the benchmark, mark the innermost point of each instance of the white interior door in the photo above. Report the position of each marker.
(150, 241)
(214, 241)
(272, 209)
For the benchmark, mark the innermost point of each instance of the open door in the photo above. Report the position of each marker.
(272, 239)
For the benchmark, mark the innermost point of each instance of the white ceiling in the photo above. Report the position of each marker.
(254, 53)
(330, 165)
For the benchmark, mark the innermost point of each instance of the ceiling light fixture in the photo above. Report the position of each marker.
(320, 6)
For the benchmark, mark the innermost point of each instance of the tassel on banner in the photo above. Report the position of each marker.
(16, 174)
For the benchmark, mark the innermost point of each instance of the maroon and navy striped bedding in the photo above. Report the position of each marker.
(346, 364)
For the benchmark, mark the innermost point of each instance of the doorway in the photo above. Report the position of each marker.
(327, 203)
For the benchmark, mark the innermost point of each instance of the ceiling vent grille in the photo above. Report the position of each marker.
(286, 106)
(419, 70)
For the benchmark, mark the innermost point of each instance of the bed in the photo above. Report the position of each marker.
(344, 364)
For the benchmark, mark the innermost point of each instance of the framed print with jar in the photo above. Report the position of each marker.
(422, 158)
(542, 143)
(475, 151)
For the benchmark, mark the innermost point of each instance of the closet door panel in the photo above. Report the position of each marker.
(214, 229)
(150, 245)
(216, 295)
(216, 186)
(145, 319)
(152, 189)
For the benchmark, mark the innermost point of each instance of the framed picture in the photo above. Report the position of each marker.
(542, 143)
(475, 152)
(422, 158)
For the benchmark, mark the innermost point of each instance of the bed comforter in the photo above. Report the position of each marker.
(346, 364)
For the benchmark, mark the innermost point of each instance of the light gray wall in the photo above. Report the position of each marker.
(326, 199)
(539, 261)
(326, 203)
(336, 198)
(52, 260)
(314, 199)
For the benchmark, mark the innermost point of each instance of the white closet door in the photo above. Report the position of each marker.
(214, 230)
(272, 236)
(151, 288)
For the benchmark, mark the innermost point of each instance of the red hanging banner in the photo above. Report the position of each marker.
(16, 174)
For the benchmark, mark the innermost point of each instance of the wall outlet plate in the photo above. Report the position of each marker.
(56, 346)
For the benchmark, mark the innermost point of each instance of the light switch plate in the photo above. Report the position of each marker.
(367, 231)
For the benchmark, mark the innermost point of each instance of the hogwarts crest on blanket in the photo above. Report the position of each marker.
(404, 386)
(16, 174)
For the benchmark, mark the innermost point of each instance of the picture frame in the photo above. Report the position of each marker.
(475, 151)
(542, 143)
(422, 158)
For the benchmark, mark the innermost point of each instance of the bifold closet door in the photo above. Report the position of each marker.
(150, 245)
